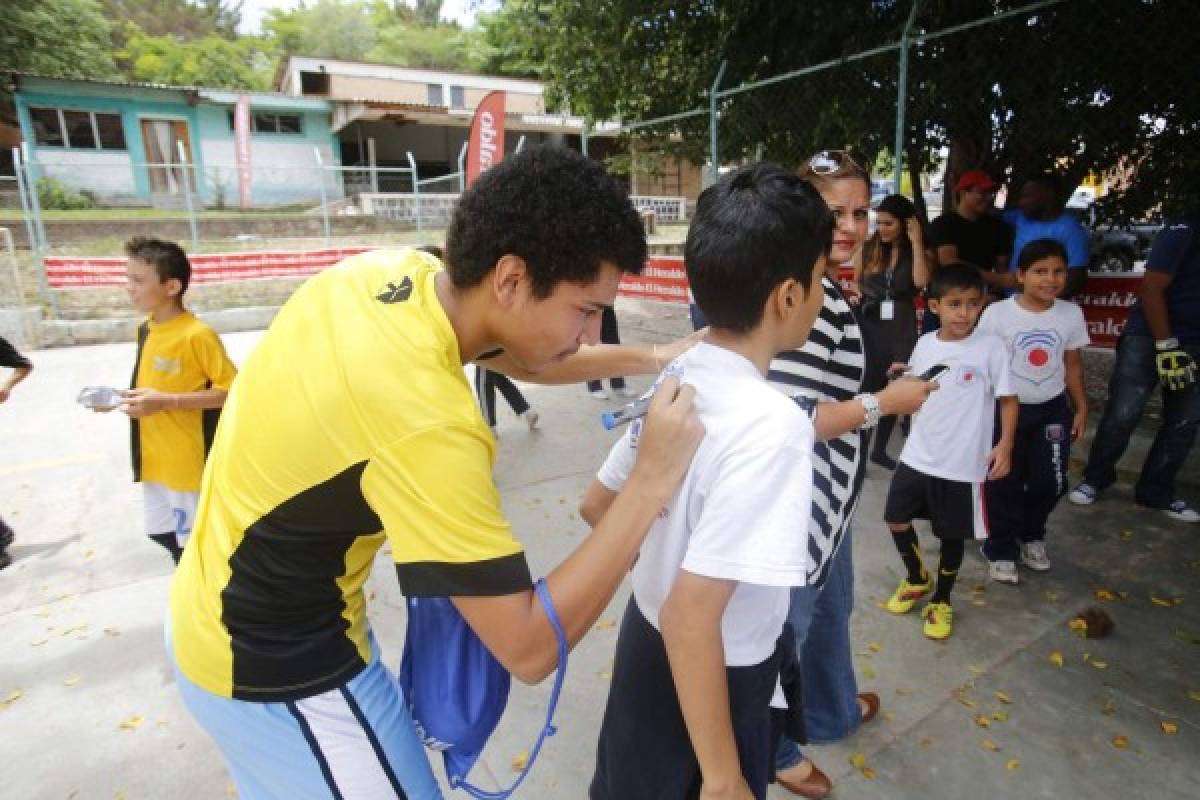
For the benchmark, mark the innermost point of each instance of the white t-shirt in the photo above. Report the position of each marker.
(952, 433)
(741, 512)
(1037, 344)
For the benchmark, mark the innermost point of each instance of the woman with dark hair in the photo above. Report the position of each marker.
(828, 372)
(890, 272)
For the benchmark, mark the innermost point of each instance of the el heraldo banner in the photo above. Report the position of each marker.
(485, 148)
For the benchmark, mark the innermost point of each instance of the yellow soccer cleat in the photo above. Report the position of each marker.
(907, 595)
(939, 620)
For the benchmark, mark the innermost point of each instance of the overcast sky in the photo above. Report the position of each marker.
(253, 10)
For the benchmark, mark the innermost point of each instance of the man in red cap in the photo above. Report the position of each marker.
(972, 233)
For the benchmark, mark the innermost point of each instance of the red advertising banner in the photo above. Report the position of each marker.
(241, 147)
(1106, 301)
(485, 144)
(663, 278)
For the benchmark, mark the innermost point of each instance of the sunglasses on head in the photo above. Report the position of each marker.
(827, 162)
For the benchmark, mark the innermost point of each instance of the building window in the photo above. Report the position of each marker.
(436, 96)
(457, 98)
(82, 130)
(266, 122)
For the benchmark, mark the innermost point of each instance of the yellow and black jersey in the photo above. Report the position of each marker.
(177, 356)
(351, 422)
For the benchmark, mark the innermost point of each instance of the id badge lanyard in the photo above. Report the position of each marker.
(887, 307)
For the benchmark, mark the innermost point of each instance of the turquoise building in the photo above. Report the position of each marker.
(128, 143)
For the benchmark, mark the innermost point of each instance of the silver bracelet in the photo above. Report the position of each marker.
(871, 410)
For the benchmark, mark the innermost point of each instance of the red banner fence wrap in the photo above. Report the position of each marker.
(1105, 304)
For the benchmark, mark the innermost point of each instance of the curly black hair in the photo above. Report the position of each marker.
(556, 209)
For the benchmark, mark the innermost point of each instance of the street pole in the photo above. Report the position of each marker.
(187, 194)
(712, 122)
(902, 100)
(324, 197)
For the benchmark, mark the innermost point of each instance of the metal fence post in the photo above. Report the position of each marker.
(35, 229)
(583, 137)
(324, 197)
(520, 144)
(714, 152)
(462, 168)
(187, 194)
(902, 100)
(416, 188)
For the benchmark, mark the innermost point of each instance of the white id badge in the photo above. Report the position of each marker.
(887, 310)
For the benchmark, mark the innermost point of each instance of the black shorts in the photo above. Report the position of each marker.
(956, 509)
(644, 752)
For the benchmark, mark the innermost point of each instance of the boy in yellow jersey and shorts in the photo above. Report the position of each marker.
(181, 375)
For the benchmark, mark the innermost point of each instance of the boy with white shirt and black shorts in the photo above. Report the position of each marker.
(1044, 335)
(698, 656)
(949, 452)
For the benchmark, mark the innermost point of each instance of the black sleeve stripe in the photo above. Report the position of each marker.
(496, 576)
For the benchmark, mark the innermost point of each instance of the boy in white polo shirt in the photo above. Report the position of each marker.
(950, 451)
(697, 663)
(1044, 336)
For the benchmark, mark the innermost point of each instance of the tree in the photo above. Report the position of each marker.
(342, 29)
(185, 20)
(512, 40)
(56, 38)
(244, 63)
(1079, 87)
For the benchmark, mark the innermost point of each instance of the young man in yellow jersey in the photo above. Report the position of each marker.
(352, 424)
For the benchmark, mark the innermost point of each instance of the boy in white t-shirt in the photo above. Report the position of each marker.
(950, 452)
(697, 659)
(1044, 336)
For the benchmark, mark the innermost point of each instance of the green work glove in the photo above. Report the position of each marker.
(1176, 369)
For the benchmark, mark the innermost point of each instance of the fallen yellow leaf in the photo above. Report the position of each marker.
(1003, 698)
(520, 760)
(874, 647)
(71, 681)
(605, 675)
(983, 721)
(1169, 728)
(1056, 658)
(1000, 716)
(868, 773)
(1104, 594)
(13, 696)
(858, 760)
(1161, 602)
(1120, 742)
(990, 745)
(975, 670)
(868, 673)
(1013, 764)
(1099, 664)
(89, 555)
(1194, 695)
(1078, 625)
(133, 723)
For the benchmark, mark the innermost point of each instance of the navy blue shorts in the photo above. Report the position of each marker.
(644, 752)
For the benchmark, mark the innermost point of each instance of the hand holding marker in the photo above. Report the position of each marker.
(627, 413)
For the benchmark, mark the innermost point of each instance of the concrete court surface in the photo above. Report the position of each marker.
(88, 710)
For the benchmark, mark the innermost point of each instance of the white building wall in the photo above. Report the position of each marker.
(108, 175)
(281, 171)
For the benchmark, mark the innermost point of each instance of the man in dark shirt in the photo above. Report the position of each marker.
(1160, 344)
(972, 233)
(21, 367)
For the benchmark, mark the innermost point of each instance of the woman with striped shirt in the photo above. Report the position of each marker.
(829, 370)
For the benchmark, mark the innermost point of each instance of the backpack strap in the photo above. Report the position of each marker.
(543, 595)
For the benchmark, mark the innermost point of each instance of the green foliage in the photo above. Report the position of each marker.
(512, 40)
(54, 195)
(243, 63)
(57, 38)
(326, 29)
(440, 47)
(184, 20)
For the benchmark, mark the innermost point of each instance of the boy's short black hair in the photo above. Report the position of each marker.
(167, 258)
(1037, 250)
(955, 275)
(753, 229)
(558, 210)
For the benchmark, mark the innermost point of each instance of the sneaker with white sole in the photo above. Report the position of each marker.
(531, 418)
(1084, 494)
(1033, 555)
(1181, 511)
(1003, 572)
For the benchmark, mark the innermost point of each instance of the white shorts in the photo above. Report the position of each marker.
(169, 511)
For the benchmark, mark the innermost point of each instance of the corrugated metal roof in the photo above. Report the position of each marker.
(16, 75)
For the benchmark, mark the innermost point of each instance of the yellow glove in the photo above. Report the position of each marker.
(1176, 369)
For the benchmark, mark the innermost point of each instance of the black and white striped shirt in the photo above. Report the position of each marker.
(828, 368)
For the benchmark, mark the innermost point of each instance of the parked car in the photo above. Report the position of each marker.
(1115, 248)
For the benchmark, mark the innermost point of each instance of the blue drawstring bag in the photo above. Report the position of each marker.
(456, 690)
